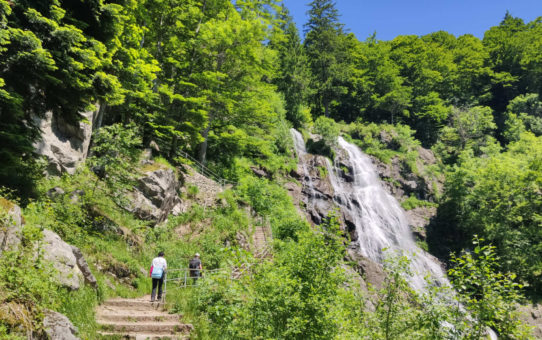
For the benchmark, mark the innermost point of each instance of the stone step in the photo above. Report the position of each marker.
(144, 327)
(143, 336)
(133, 316)
(132, 304)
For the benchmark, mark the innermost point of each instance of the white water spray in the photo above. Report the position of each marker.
(379, 220)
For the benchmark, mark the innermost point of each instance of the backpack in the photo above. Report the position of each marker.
(157, 272)
(193, 264)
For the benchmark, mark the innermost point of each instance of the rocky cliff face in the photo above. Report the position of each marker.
(64, 145)
(316, 197)
(396, 179)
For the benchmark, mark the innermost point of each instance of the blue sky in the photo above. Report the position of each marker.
(390, 18)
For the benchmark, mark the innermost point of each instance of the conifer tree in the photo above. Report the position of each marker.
(324, 44)
(293, 74)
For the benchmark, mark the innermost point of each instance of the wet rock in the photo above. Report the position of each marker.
(318, 199)
(372, 272)
(58, 327)
(60, 254)
(349, 225)
(63, 144)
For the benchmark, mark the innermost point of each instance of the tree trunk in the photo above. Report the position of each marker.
(203, 146)
(96, 123)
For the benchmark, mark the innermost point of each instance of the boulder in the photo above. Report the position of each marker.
(10, 232)
(60, 254)
(68, 261)
(63, 144)
(155, 196)
(532, 316)
(58, 327)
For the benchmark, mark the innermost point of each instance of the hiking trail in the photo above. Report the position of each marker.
(139, 319)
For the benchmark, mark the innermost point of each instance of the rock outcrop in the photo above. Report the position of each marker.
(317, 191)
(60, 254)
(70, 264)
(156, 195)
(10, 230)
(58, 326)
(371, 272)
(64, 145)
(532, 316)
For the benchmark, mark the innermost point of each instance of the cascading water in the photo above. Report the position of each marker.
(379, 220)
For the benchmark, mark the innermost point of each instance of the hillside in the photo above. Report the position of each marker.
(335, 188)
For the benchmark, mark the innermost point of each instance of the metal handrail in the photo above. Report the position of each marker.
(206, 171)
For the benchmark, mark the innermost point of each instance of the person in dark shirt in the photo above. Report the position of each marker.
(195, 268)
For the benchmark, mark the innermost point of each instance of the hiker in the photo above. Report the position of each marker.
(158, 273)
(195, 268)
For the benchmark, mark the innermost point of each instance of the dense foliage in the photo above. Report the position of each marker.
(223, 81)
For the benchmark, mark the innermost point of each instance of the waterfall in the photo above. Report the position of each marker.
(379, 220)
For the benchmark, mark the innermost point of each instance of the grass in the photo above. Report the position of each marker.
(5, 204)
(159, 163)
(79, 307)
(413, 202)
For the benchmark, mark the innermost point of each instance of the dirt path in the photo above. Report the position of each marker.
(139, 319)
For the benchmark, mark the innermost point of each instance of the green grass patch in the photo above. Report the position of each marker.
(413, 202)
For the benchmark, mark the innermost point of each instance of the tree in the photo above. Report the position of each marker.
(232, 67)
(325, 48)
(467, 128)
(114, 155)
(490, 296)
(293, 70)
(524, 113)
(498, 198)
(51, 61)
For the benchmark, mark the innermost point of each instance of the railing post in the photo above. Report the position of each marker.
(165, 288)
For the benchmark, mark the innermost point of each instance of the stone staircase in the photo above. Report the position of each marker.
(261, 240)
(139, 319)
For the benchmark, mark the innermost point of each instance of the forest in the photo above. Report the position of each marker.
(222, 82)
